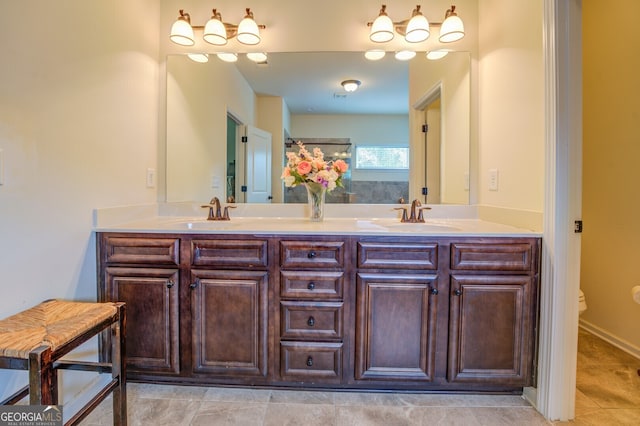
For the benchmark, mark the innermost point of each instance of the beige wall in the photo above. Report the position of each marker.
(510, 104)
(78, 127)
(611, 171)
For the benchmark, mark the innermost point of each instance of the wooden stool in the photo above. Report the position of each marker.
(37, 338)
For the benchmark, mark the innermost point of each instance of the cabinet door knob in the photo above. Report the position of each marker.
(457, 292)
(311, 321)
(194, 284)
(169, 284)
(311, 254)
(310, 362)
(311, 285)
(434, 291)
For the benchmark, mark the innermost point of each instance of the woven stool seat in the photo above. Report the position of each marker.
(52, 323)
(38, 338)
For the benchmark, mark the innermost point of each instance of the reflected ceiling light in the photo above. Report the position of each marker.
(418, 27)
(350, 85)
(452, 28)
(434, 55)
(257, 56)
(228, 56)
(216, 31)
(181, 30)
(405, 55)
(374, 54)
(248, 30)
(199, 57)
(382, 27)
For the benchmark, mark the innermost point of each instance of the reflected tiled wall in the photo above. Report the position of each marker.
(362, 192)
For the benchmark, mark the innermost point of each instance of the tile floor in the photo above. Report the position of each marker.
(608, 393)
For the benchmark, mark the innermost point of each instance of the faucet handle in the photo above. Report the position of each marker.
(226, 212)
(420, 214)
(404, 213)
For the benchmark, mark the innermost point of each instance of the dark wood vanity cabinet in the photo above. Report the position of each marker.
(374, 312)
(311, 316)
(144, 273)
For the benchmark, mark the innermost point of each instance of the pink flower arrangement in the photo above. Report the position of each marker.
(302, 167)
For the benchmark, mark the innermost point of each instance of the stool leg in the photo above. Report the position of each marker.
(43, 379)
(118, 367)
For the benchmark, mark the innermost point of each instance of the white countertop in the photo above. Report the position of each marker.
(330, 226)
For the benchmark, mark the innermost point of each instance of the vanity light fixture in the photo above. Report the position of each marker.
(351, 85)
(199, 57)
(257, 57)
(405, 55)
(374, 54)
(415, 29)
(452, 28)
(434, 55)
(182, 31)
(215, 31)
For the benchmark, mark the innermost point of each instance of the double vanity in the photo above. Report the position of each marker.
(347, 303)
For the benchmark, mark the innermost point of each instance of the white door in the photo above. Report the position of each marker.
(258, 165)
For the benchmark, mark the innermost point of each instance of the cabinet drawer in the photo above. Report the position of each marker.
(491, 257)
(312, 361)
(311, 284)
(312, 254)
(308, 320)
(398, 255)
(229, 253)
(135, 250)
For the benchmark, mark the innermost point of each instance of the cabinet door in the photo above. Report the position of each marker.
(395, 330)
(151, 295)
(229, 322)
(491, 329)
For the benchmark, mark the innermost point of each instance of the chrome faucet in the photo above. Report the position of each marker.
(215, 210)
(416, 215)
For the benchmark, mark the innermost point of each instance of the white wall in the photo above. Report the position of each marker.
(78, 126)
(510, 103)
(197, 125)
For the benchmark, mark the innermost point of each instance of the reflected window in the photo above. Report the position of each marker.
(382, 157)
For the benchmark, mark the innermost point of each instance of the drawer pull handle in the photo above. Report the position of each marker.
(310, 362)
(311, 254)
(311, 321)
(457, 292)
(434, 291)
(169, 284)
(311, 285)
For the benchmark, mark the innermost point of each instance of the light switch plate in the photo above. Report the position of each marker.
(493, 179)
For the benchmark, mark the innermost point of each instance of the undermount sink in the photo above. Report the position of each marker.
(420, 226)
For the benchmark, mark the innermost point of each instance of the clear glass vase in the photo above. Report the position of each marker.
(315, 198)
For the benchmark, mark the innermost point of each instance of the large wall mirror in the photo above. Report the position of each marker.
(298, 96)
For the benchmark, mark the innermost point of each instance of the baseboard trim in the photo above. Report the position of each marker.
(619, 343)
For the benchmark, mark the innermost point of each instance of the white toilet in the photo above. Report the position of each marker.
(582, 303)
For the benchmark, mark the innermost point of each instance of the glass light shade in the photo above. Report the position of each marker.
(417, 29)
(182, 33)
(198, 57)
(405, 55)
(374, 54)
(381, 30)
(434, 55)
(257, 56)
(350, 85)
(248, 31)
(452, 29)
(215, 33)
(228, 57)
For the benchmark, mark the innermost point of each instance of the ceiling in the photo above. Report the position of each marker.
(310, 82)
